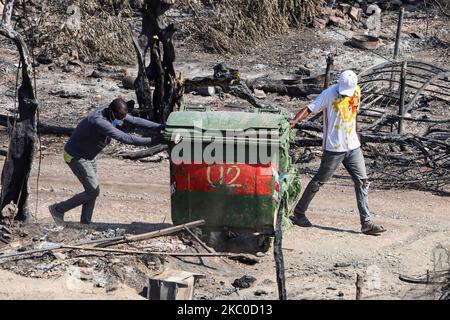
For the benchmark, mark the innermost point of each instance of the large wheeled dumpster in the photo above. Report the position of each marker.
(231, 169)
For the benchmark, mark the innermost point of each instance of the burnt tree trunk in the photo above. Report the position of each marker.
(156, 38)
(142, 84)
(19, 160)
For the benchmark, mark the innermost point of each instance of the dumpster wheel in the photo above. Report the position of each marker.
(264, 242)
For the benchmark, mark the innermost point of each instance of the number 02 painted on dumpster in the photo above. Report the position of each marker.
(220, 181)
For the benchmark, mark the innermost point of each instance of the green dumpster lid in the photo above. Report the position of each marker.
(224, 120)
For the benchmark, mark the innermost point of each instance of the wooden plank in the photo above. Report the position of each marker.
(175, 254)
(164, 232)
(154, 234)
(199, 240)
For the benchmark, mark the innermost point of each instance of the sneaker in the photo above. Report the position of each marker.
(300, 220)
(56, 215)
(372, 229)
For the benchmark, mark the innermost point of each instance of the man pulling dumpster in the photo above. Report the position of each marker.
(339, 104)
(89, 138)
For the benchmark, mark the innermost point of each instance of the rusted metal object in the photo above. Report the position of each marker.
(423, 79)
(366, 42)
(437, 81)
(387, 88)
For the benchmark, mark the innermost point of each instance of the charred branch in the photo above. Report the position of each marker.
(144, 153)
(43, 127)
(282, 88)
(142, 84)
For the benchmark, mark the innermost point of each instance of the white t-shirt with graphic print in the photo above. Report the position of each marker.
(339, 119)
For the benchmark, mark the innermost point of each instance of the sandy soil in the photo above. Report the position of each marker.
(14, 287)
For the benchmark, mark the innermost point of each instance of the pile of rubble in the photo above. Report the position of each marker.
(349, 16)
(360, 14)
(51, 252)
(105, 270)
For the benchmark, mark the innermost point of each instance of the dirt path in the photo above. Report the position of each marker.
(137, 194)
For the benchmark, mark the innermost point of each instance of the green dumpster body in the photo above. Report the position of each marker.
(236, 188)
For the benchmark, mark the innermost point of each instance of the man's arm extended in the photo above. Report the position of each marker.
(108, 129)
(302, 114)
(143, 123)
(316, 106)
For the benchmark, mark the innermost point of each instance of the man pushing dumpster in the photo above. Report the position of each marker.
(339, 104)
(89, 138)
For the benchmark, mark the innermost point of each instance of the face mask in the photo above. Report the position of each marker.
(117, 123)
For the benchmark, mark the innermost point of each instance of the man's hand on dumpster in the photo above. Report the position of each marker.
(158, 139)
(302, 114)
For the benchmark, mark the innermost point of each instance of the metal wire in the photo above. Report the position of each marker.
(38, 136)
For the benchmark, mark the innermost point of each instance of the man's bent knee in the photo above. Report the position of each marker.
(93, 193)
(363, 183)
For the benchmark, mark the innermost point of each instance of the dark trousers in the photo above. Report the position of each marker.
(354, 163)
(86, 172)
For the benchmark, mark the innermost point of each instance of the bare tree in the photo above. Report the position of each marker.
(18, 163)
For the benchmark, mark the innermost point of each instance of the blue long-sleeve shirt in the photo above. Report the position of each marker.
(95, 132)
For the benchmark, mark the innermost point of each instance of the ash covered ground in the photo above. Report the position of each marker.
(320, 262)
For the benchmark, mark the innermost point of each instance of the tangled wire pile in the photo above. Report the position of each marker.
(89, 30)
(397, 161)
(415, 154)
(443, 6)
(236, 26)
(424, 164)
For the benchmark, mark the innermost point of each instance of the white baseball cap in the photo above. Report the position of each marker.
(347, 83)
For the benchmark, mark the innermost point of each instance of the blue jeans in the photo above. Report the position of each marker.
(354, 163)
(86, 172)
